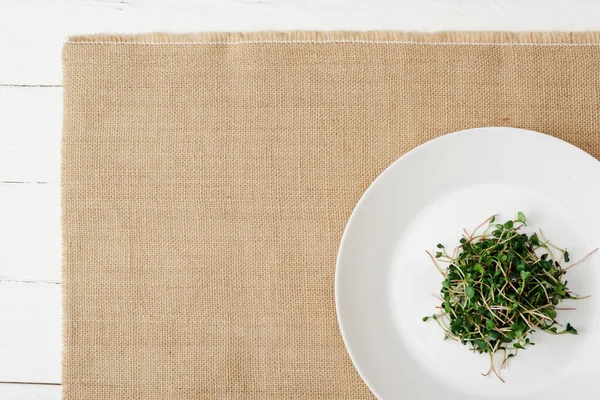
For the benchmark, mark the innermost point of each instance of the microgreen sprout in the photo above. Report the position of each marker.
(500, 286)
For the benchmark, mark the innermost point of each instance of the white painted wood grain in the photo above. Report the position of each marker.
(30, 241)
(30, 337)
(29, 392)
(32, 32)
(30, 127)
(30, 244)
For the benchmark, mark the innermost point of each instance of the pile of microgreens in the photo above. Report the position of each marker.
(497, 289)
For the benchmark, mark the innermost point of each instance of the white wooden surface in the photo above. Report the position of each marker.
(31, 35)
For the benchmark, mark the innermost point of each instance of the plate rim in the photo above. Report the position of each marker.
(376, 182)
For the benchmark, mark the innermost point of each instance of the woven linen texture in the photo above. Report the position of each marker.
(207, 180)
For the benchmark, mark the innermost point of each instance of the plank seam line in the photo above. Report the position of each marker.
(30, 383)
(44, 282)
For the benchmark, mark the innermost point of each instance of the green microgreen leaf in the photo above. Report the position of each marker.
(496, 290)
(470, 292)
(479, 268)
(570, 329)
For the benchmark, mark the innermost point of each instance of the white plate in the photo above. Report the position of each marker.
(384, 278)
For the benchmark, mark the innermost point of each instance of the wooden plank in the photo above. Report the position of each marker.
(30, 338)
(10, 391)
(30, 135)
(32, 32)
(30, 233)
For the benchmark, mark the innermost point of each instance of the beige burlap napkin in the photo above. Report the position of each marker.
(207, 180)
